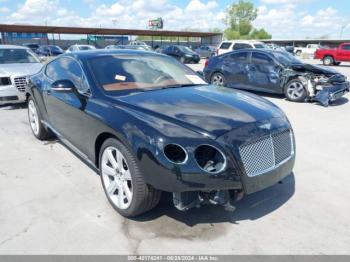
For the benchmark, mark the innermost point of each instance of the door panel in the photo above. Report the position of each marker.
(234, 68)
(263, 73)
(344, 53)
(67, 111)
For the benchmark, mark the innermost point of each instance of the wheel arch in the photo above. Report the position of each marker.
(330, 55)
(214, 72)
(100, 139)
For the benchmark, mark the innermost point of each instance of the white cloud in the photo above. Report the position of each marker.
(199, 14)
(4, 10)
(282, 18)
(284, 1)
(286, 22)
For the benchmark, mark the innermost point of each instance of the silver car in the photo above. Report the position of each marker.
(17, 63)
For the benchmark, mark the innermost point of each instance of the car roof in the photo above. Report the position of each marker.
(81, 45)
(242, 42)
(12, 47)
(267, 51)
(104, 52)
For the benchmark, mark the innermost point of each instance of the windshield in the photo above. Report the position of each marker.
(55, 48)
(86, 47)
(185, 49)
(13, 56)
(286, 58)
(141, 72)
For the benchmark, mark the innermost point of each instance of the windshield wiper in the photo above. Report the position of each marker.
(180, 85)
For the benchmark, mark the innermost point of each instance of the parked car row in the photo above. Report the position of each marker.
(152, 124)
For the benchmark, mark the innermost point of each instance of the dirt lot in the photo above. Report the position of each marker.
(51, 202)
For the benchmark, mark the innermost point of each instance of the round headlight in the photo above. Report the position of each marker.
(210, 159)
(175, 153)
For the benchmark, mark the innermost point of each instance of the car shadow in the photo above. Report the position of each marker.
(339, 102)
(251, 207)
(13, 106)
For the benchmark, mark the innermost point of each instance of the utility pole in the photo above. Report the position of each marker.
(342, 30)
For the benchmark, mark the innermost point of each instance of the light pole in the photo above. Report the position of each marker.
(342, 30)
(114, 21)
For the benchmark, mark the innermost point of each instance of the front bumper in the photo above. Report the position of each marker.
(10, 94)
(179, 178)
(332, 93)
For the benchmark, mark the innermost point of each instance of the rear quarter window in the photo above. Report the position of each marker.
(225, 45)
(239, 46)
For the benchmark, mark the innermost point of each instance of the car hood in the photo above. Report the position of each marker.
(206, 109)
(316, 69)
(25, 69)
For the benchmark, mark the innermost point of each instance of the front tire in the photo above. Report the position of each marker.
(123, 182)
(298, 53)
(295, 91)
(38, 129)
(328, 60)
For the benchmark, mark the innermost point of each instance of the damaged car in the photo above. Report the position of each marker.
(148, 124)
(276, 72)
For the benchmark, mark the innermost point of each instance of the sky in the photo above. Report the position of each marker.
(284, 19)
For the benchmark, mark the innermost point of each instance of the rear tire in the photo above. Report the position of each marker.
(34, 116)
(130, 196)
(328, 60)
(295, 91)
(218, 79)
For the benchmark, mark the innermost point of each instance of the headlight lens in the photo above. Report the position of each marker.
(5, 81)
(210, 159)
(175, 153)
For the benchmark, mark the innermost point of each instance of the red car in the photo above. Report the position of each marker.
(334, 56)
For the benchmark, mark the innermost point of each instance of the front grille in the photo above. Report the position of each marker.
(267, 153)
(20, 83)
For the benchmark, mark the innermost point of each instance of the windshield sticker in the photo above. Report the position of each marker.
(195, 79)
(120, 78)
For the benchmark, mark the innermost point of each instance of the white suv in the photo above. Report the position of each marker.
(228, 46)
(17, 63)
(76, 48)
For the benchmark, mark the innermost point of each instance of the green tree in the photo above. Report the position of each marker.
(260, 34)
(215, 30)
(239, 18)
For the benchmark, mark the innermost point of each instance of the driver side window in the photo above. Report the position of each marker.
(67, 69)
(261, 59)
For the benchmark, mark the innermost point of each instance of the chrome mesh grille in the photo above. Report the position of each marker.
(20, 83)
(266, 153)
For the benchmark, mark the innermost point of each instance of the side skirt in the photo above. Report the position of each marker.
(70, 145)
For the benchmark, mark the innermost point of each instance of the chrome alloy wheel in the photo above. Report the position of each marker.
(218, 80)
(295, 90)
(116, 177)
(33, 117)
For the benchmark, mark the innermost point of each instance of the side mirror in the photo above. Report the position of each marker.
(200, 73)
(63, 86)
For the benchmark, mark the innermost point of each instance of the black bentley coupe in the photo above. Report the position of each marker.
(150, 124)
